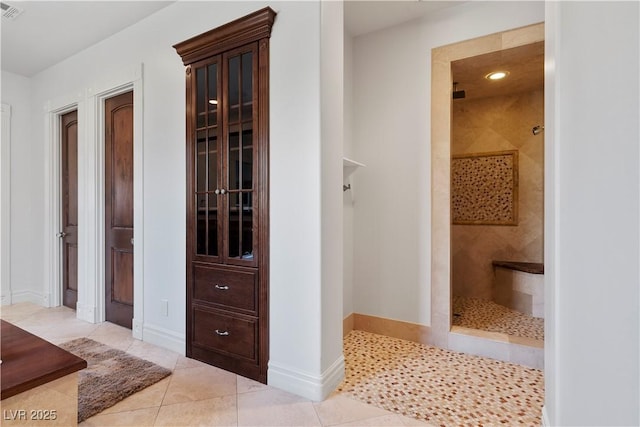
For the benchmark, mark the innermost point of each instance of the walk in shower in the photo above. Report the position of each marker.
(497, 191)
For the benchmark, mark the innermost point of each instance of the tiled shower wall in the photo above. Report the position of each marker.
(488, 125)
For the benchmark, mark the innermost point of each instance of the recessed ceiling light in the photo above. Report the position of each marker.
(213, 101)
(497, 75)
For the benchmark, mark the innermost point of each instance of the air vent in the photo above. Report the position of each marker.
(9, 12)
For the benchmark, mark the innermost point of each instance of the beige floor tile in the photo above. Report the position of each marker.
(52, 316)
(119, 340)
(138, 418)
(67, 385)
(274, 407)
(194, 384)
(150, 397)
(58, 330)
(41, 398)
(16, 312)
(185, 362)
(155, 354)
(338, 409)
(246, 385)
(107, 328)
(220, 411)
(412, 422)
(113, 335)
(389, 420)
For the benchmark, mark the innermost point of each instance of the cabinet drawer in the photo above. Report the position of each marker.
(226, 334)
(230, 288)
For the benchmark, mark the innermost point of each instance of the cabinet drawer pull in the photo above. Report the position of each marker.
(222, 287)
(222, 333)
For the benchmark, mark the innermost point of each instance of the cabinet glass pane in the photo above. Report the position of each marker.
(212, 98)
(247, 160)
(247, 86)
(247, 226)
(213, 159)
(240, 225)
(234, 89)
(201, 161)
(200, 97)
(240, 168)
(235, 214)
(213, 225)
(201, 224)
(234, 157)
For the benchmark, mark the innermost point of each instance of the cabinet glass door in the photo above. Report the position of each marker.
(207, 162)
(240, 171)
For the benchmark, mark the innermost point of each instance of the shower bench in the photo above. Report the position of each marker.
(519, 286)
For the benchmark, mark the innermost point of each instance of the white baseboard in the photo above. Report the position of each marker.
(332, 377)
(28, 296)
(545, 417)
(5, 299)
(312, 387)
(137, 326)
(86, 312)
(162, 337)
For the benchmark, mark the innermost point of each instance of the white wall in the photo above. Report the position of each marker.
(332, 135)
(295, 286)
(389, 137)
(348, 196)
(392, 96)
(25, 206)
(296, 273)
(592, 206)
(5, 205)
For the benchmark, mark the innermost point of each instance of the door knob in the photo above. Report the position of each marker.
(61, 234)
(223, 191)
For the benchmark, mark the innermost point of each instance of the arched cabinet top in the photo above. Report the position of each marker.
(248, 29)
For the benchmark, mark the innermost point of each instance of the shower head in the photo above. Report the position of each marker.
(457, 94)
(537, 129)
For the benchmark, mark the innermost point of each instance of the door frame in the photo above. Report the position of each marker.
(441, 84)
(91, 193)
(97, 100)
(54, 110)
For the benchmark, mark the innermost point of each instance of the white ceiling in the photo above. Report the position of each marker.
(48, 32)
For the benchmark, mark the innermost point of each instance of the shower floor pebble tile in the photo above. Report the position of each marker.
(488, 316)
(439, 386)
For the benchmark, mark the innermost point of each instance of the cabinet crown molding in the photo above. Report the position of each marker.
(249, 28)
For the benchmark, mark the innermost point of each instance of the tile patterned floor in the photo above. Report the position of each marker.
(388, 380)
(439, 386)
(488, 316)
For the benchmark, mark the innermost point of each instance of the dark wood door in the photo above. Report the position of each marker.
(69, 232)
(119, 209)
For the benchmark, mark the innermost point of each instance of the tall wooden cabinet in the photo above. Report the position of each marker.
(227, 106)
